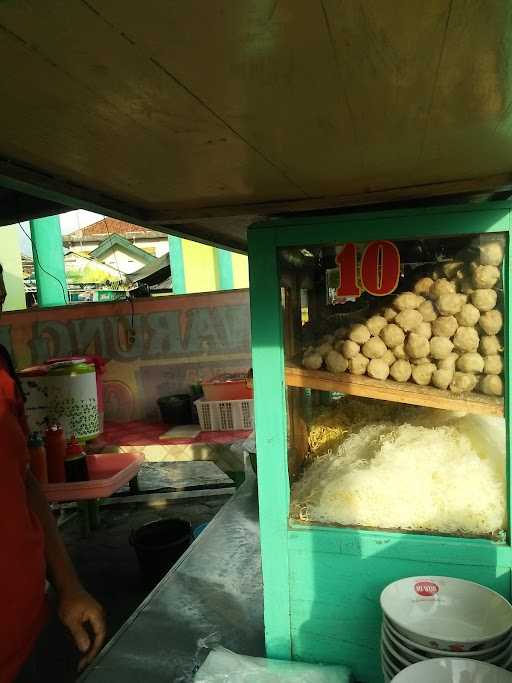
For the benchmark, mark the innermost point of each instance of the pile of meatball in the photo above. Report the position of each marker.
(444, 332)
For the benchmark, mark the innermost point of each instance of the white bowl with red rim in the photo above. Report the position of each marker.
(452, 670)
(501, 649)
(442, 613)
(500, 654)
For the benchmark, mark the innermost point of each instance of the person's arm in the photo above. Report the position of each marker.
(76, 606)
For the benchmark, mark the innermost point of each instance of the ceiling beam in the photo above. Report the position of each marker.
(175, 220)
(29, 181)
(485, 185)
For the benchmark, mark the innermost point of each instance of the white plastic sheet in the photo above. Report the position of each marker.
(224, 666)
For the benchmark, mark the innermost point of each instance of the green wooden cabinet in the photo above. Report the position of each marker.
(322, 583)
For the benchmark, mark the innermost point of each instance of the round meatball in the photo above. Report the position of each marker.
(470, 362)
(493, 365)
(462, 382)
(491, 322)
(444, 326)
(485, 277)
(422, 287)
(392, 335)
(407, 300)
(389, 314)
(466, 339)
(441, 378)
(374, 348)
(408, 319)
(448, 363)
(468, 316)
(399, 352)
(491, 252)
(491, 385)
(440, 347)
(420, 361)
(359, 334)
(440, 287)
(358, 364)
(490, 345)
(324, 349)
(349, 349)
(449, 304)
(428, 312)
(424, 329)
(389, 357)
(378, 369)
(401, 370)
(484, 299)
(312, 361)
(335, 362)
(375, 324)
(416, 346)
(422, 374)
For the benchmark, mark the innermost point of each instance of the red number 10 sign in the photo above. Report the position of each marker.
(380, 269)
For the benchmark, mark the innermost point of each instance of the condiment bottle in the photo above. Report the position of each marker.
(37, 452)
(76, 462)
(55, 442)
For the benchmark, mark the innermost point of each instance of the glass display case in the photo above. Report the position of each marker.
(394, 369)
(380, 347)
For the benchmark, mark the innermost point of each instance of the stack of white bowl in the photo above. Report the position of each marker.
(427, 617)
(453, 670)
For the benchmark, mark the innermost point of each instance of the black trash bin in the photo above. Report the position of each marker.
(176, 409)
(158, 545)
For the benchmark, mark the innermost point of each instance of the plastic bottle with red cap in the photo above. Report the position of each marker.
(76, 462)
(37, 451)
(55, 443)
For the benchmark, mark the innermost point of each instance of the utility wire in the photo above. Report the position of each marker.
(34, 250)
(128, 295)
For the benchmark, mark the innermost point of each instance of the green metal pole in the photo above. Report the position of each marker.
(49, 261)
(224, 268)
(177, 265)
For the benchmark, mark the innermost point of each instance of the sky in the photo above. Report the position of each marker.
(70, 221)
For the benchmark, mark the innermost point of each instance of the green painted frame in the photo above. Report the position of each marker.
(279, 537)
(224, 265)
(177, 265)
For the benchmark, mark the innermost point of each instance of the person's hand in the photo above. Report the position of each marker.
(76, 609)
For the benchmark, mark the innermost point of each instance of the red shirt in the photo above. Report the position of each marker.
(22, 564)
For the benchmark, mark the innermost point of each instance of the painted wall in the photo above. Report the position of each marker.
(240, 271)
(120, 260)
(10, 257)
(200, 268)
(178, 341)
(155, 247)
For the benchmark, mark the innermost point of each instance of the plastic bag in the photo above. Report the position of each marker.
(224, 666)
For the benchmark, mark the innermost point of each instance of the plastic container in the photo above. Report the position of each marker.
(224, 416)
(176, 409)
(99, 363)
(230, 387)
(75, 464)
(37, 451)
(55, 443)
(158, 545)
(108, 472)
(64, 392)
